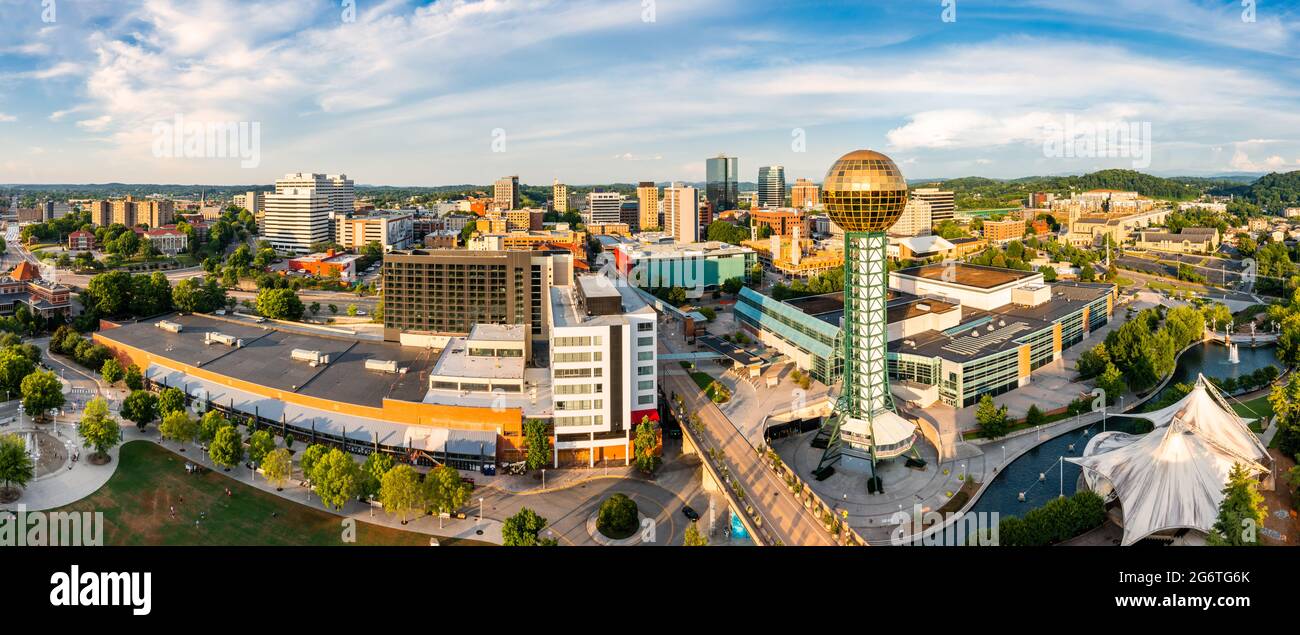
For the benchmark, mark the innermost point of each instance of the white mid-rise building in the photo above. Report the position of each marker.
(296, 218)
(603, 361)
(337, 189)
(604, 208)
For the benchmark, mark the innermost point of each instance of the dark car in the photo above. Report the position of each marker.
(690, 513)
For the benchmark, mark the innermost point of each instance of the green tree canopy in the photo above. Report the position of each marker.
(227, 448)
(41, 392)
(400, 491)
(523, 529)
(98, 429)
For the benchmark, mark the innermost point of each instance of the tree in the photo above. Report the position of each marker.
(1111, 382)
(41, 392)
(522, 529)
(645, 445)
(400, 491)
(178, 426)
(277, 466)
(279, 304)
(374, 469)
(1034, 416)
(112, 371)
(1242, 512)
(98, 429)
(211, 422)
(227, 448)
(617, 516)
(352, 310)
(310, 456)
(14, 367)
(694, 537)
(141, 407)
(169, 400)
(134, 380)
(446, 492)
(336, 478)
(991, 419)
(538, 440)
(16, 466)
(260, 444)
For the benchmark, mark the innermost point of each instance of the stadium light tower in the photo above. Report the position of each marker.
(864, 193)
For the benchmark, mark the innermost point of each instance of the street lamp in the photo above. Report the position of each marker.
(480, 510)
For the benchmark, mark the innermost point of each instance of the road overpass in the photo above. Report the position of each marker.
(727, 456)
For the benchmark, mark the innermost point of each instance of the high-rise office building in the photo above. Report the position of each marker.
(771, 186)
(604, 208)
(682, 213)
(338, 190)
(505, 194)
(804, 194)
(722, 187)
(942, 203)
(647, 194)
(559, 197)
(296, 218)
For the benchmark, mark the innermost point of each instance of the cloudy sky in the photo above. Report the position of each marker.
(406, 92)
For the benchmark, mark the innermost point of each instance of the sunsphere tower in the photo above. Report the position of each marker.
(864, 193)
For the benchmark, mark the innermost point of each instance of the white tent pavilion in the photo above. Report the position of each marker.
(1173, 477)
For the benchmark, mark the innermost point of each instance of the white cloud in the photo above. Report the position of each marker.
(97, 124)
(5, 118)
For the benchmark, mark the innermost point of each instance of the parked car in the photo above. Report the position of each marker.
(690, 513)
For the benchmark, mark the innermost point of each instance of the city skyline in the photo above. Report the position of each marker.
(782, 85)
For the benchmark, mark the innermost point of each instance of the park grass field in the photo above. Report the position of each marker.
(136, 502)
(1257, 408)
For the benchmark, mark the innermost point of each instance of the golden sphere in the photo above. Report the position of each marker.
(864, 192)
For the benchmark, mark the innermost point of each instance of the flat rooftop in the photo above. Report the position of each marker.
(967, 274)
(564, 311)
(455, 361)
(498, 332)
(264, 359)
(981, 333)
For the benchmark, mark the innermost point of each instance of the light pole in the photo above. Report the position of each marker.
(480, 510)
(543, 478)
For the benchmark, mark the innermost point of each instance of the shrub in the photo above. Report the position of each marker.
(617, 517)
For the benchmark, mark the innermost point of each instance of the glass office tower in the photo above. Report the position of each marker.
(722, 187)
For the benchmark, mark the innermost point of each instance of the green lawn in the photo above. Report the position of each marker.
(1256, 408)
(136, 501)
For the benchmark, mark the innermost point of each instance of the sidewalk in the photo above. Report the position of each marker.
(556, 480)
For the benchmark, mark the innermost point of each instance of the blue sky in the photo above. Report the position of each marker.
(592, 91)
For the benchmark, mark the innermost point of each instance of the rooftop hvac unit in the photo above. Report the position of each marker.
(174, 327)
(313, 358)
(213, 337)
(382, 365)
